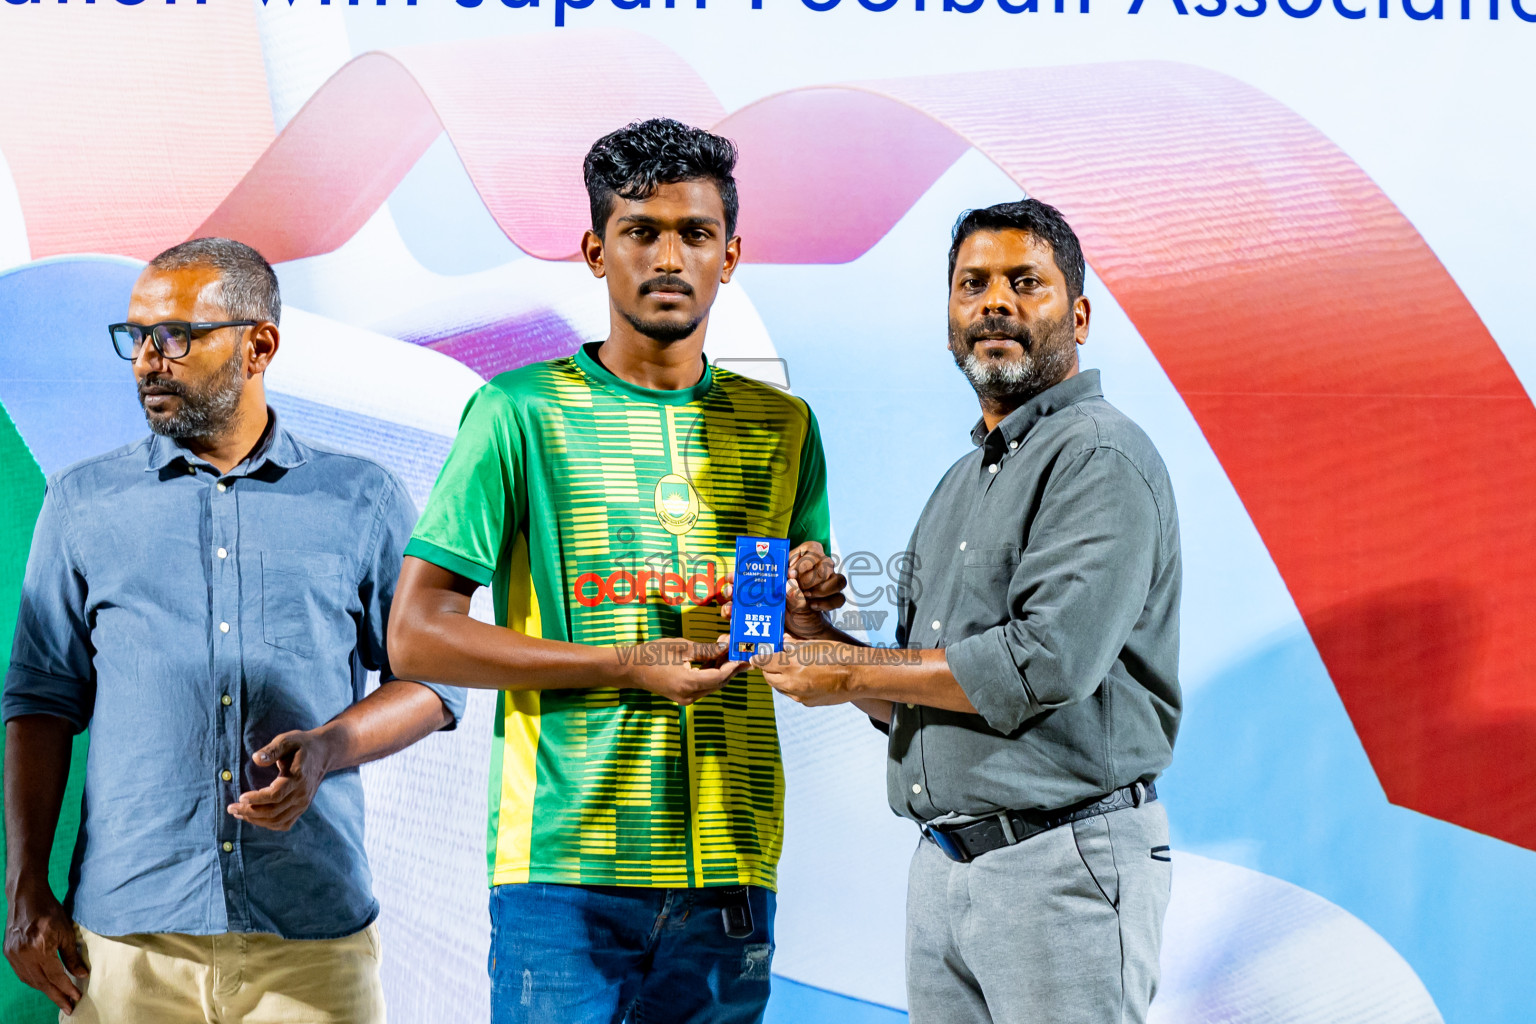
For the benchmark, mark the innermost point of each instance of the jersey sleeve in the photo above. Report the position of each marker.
(811, 519)
(376, 590)
(480, 496)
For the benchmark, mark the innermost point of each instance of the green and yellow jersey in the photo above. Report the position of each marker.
(603, 513)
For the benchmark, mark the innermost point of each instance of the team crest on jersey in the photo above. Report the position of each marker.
(677, 504)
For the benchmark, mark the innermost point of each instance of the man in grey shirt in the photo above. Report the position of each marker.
(1038, 697)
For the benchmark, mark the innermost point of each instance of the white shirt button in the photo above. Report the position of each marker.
(935, 623)
(223, 553)
(226, 700)
(192, 470)
(916, 788)
(990, 469)
(1012, 445)
(229, 847)
(225, 487)
(962, 545)
(226, 775)
(223, 627)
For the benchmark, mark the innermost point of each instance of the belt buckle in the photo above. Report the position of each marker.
(946, 844)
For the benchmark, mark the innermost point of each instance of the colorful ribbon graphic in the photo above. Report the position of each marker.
(1371, 425)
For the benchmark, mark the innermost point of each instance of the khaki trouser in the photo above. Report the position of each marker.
(230, 979)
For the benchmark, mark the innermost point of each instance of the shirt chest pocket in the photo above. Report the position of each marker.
(301, 598)
(982, 601)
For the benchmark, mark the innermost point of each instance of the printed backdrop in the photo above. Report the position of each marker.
(1309, 236)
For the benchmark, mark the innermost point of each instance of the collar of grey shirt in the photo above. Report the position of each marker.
(1053, 399)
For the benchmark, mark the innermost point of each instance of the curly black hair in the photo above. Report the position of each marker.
(1042, 220)
(644, 155)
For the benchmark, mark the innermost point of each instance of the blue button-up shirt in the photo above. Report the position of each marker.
(188, 617)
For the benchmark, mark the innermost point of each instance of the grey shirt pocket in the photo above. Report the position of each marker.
(982, 599)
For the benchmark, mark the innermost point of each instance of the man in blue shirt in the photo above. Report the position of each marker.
(209, 601)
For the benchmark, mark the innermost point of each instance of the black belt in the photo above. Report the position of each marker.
(1006, 828)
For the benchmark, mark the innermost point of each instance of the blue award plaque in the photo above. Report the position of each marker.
(757, 596)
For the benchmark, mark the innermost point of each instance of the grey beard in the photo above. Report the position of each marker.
(1020, 379)
(206, 411)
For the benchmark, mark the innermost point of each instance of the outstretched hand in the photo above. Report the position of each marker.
(814, 673)
(679, 670)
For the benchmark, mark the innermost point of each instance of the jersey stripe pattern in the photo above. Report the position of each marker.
(606, 514)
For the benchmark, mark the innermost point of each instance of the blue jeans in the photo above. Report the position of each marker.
(599, 954)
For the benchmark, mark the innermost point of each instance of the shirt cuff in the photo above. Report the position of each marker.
(983, 666)
(30, 692)
(445, 559)
(453, 698)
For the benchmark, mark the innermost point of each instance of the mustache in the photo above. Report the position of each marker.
(1004, 326)
(167, 385)
(666, 283)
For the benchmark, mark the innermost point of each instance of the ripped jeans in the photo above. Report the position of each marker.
(599, 954)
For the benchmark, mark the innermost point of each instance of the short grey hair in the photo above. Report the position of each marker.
(247, 283)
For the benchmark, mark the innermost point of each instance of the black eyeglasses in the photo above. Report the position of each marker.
(171, 338)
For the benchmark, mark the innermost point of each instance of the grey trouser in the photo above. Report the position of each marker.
(1063, 928)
